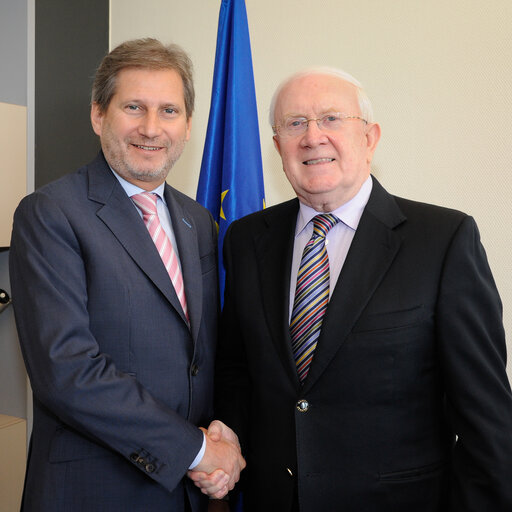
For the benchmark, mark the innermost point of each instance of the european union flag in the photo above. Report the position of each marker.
(231, 178)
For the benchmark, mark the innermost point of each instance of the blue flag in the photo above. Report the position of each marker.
(231, 178)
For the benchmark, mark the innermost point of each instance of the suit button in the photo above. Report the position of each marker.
(194, 370)
(150, 468)
(134, 457)
(302, 405)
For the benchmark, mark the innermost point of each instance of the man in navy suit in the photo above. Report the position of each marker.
(402, 402)
(119, 356)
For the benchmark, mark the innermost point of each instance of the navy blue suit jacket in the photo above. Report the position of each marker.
(409, 408)
(120, 382)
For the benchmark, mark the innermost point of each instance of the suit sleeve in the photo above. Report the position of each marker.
(69, 374)
(478, 397)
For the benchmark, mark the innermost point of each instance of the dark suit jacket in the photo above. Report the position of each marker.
(119, 381)
(411, 355)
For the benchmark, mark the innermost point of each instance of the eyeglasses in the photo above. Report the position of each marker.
(295, 126)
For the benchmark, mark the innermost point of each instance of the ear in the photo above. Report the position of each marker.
(189, 127)
(372, 139)
(276, 144)
(96, 118)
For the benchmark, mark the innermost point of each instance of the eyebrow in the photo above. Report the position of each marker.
(322, 112)
(160, 105)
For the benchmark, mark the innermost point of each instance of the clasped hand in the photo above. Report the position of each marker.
(219, 469)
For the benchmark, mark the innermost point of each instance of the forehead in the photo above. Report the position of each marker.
(316, 93)
(139, 83)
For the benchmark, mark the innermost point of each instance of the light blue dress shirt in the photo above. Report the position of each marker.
(161, 208)
(338, 239)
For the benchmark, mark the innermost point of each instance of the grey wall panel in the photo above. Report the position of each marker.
(13, 51)
(13, 398)
(71, 38)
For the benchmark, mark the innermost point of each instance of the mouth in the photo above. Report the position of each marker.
(147, 148)
(317, 161)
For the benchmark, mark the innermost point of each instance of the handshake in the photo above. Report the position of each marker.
(219, 469)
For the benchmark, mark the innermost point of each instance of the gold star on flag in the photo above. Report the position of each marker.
(222, 196)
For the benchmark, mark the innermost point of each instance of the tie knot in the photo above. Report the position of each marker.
(146, 201)
(323, 223)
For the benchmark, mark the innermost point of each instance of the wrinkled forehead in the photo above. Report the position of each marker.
(314, 94)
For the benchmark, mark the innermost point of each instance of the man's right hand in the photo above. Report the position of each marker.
(220, 467)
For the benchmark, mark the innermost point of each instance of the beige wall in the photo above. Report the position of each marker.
(13, 165)
(13, 442)
(439, 74)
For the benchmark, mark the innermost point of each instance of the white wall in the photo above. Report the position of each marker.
(439, 74)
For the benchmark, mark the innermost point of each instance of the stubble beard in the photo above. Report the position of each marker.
(120, 162)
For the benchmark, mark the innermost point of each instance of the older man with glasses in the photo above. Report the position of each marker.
(362, 352)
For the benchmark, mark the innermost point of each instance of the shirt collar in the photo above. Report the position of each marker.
(348, 213)
(132, 189)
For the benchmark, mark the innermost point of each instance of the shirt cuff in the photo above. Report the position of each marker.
(200, 455)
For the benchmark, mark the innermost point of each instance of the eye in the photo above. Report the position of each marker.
(133, 107)
(331, 118)
(170, 111)
(294, 123)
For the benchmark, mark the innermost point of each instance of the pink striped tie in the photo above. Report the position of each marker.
(146, 201)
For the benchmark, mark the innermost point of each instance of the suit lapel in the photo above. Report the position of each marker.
(373, 249)
(186, 239)
(121, 217)
(274, 248)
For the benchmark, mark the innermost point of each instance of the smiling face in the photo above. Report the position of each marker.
(144, 129)
(325, 168)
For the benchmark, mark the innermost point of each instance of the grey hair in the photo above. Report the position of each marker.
(364, 102)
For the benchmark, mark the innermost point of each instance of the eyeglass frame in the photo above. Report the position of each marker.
(305, 122)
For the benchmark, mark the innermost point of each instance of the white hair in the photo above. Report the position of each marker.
(364, 102)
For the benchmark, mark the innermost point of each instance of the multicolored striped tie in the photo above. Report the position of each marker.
(146, 201)
(311, 295)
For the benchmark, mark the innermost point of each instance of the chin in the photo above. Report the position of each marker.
(321, 187)
(148, 174)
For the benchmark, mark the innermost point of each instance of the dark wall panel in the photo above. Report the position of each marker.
(71, 38)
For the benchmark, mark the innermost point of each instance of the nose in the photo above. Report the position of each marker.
(313, 136)
(150, 126)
